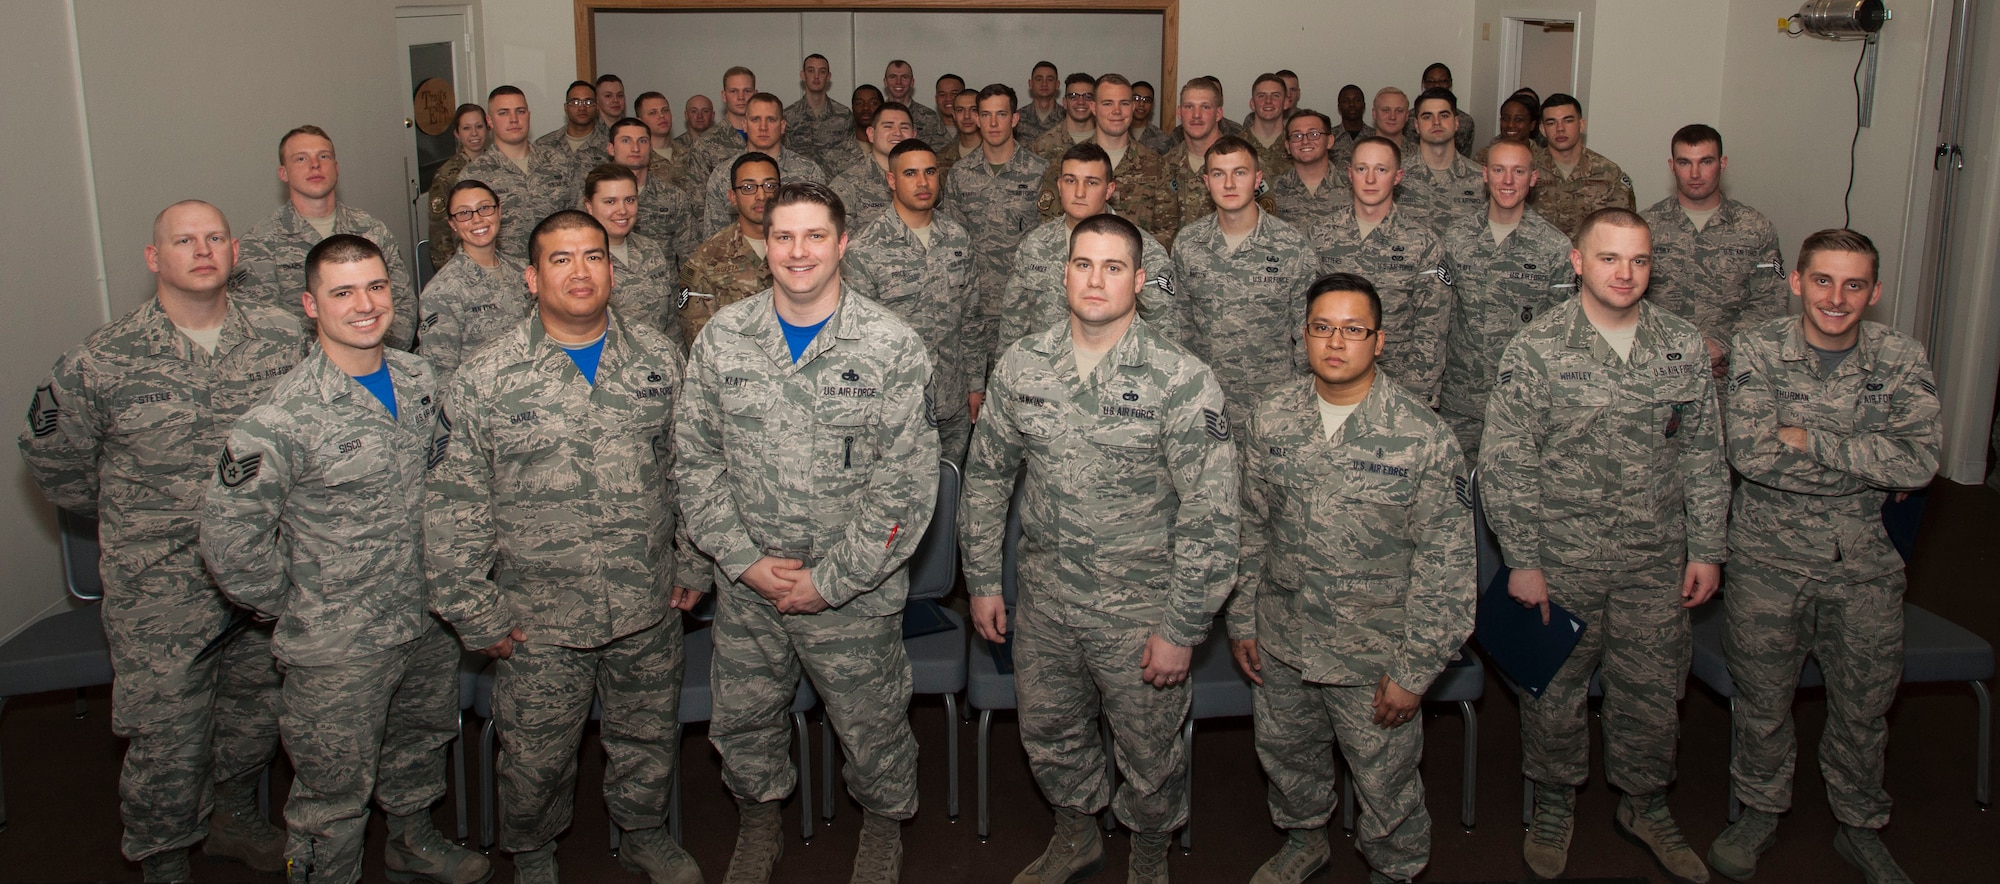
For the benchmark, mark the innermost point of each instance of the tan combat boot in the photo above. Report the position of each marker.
(879, 858)
(1547, 846)
(1149, 858)
(655, 852)
(416, 852)
(1736, 850)
(1864, 850)
(1646, 819)
(1075, 852)
(536, 866)
(1305, 853)
(166, 867)
(237, 831)
(760, 841)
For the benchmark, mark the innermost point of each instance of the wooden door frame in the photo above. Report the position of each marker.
(1170, 18)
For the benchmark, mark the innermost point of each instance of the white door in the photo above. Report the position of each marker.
(435, 62)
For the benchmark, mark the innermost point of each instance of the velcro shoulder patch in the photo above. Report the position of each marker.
(1217, 425)
(43, 411)
(234, 471)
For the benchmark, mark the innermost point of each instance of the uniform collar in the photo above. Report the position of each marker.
(548, 356)
(163, 338)
(764, 329)
(1797, 349)
(1650, 335)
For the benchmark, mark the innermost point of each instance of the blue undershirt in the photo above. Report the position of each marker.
(379, 384)
(586, 357)
(798, 337)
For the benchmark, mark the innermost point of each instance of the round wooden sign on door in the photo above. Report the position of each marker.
(433, 106)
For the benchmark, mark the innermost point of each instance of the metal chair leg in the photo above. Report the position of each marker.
(617, 837)
(827, 751)
(1468, 790)
(982, 782)
(951, 756)
(1187, 780)
(264, 791)
(1527, 801)
(488, 790)
(805, 776)
(1982, 790)
(674, 805)
(82, 705)
(985, 824)
(1109, 820)
(1347, 812)
(458, 779)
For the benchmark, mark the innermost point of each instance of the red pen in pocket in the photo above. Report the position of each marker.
(893, 529)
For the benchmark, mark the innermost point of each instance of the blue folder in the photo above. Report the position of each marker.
(1527, 652)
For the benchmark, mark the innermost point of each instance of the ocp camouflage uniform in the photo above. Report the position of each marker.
(1597, 183)
(646, 290)
(444, 242)
(527, 195)
(583, 158)
(950, 154)
(1292, 201)
(1405, 259)
(467, 305)
(1467, 134)
(1725, 277)
(315, 519)
(1357, 564)
(1129, 530)
(1144, 195)
(670, 166)
(832, 460)
(1051, 144)
(864, 191)
(1812, 570)
(1245, 307)
(1608, 475)
(1153, 137)
(127, 428)
(815, 132)
(1445, 196)
(271, 264)
(723, 271)
(718, 212)
(929, 287)
(666, 216)
(551, 509)
(1496, 290)
(1272, 159)
(998, 211)
(1189, 187)
(1036, 297)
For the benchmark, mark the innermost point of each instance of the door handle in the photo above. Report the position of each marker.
(407, 123)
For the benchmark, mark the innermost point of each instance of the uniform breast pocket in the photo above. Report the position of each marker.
(364, 467)
(845, 438)
(1128, 446)
(1041, 424)
(527, 458)
(157, 438)
(745, 415)
(1380, 502)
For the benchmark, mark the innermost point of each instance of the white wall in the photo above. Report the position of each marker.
(1548, 60)
(1329, 43)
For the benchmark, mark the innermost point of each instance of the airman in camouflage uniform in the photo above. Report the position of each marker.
(1264, 128)
(1498, 286)
(1438, 76)
(819, 470)
(645, 289)
(1144, 196)
(127, 428)
(1044, 85)
(1405, 259)
(998, 211)
(1356, 576)
(816, 124)
(1445, 193)
(1592, 183)
(467, 305)
(927, 281)
(444, 243)
(1604, 481)
(1242, 302)
(540, 183)
(899, 82)
(1819, 434)
(1122, 463)
(730, 266)
(1288, 195)
(665, 214)
(670, 158)
(315, 520)
(1035, 298)
(1725, 273)
(766, 136)
(583, 152)
(568, 580)
(1189, 185)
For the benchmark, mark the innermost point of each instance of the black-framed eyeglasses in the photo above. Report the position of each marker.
(1307, 135)
(1086, 96)
(748, 188)
(1346, 332)
(582, 102)
(485, 211)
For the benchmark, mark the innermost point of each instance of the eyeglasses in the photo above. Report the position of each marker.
(1143, 99)
(1307, 135)
(582, 102)
(1346, 332)
(1086, 96)
(484, 211)
(748, 188)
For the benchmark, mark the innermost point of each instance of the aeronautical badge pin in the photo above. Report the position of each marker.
(652, 377)
(1131, 396)
(1674, 356)
(42, 412)
(234, 471)
(849, 376)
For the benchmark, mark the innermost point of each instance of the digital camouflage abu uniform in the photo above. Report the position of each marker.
(817, 133)
(1595, 183)
(718, 212)
(1357, 564)
(271, 266)
(551, 509)
(444, 242)
(1445, 196)
(1245, 307)
(1608, 475)
(534, 189)
(1129, 529)
(1298, 205)
(1272, 159)
(929, 286)
(1036, 298)
(645, 287)
(864, 190)
(467, 305)
(1725, 277)
(1189, 189)
(128, 428)
(1812, 571)
(582, 157)
(1405, 259)
(998, 211)
(1497, 288)
(1145, 195)
(723, 271)
(717, 146)
(666, 216)
(832, 460)
(314, 517)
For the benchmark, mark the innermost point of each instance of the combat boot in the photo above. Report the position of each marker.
(1864, 850)
(1736, 850)
(416, 852)
(1547, 846)
(1075, 852)
(167, 867)
(655, 852)
(536, 866)
(1646, 819)
(760, 842)
(1305, 853)
(1149, 858)
(238, 831)
(879, 858)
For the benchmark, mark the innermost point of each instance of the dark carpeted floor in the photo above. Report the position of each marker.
(61, 783)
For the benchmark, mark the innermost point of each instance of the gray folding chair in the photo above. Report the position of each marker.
(1220, 691)
(990, 668)
(938, 659)
(1462, 683)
